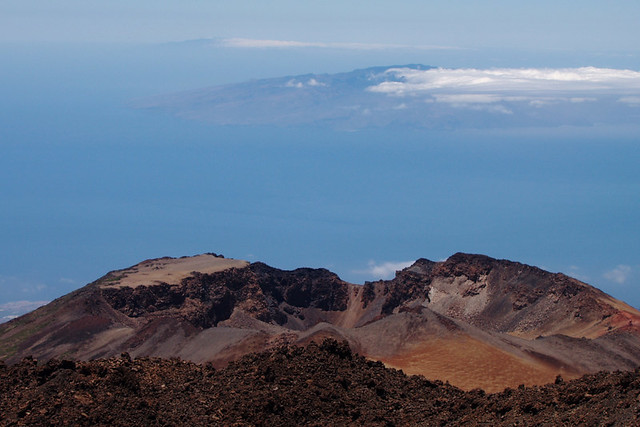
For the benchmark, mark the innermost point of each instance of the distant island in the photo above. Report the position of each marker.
(418, 96)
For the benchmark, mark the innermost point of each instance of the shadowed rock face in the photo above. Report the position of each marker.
(517, 323)
(303, 287)
(204, 300)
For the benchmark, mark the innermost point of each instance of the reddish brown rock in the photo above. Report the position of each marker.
(517, 323)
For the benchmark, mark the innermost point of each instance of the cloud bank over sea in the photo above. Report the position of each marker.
(248, 43)
(408, 81)
(14, 309)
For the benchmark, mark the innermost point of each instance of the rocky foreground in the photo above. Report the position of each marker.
(322, 384)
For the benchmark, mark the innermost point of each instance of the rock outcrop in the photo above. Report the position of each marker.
(322, 384)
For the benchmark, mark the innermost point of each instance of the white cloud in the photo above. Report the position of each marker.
(22, 285)
(620, 274)
(631, 100)
(21, 305)
(529, 81)
(293, 83)
(580, 100)
(501, 109)
(493, 98)
(469, 98)
(575, 271)
(285, 44)
(385, 270)
(256, 43)
(11, 310)
(474, 101)
(299, 85)
(314, 82)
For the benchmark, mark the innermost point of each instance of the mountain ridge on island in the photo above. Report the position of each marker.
(414, 96)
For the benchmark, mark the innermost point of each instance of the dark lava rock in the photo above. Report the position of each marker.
(303, 287)
(204, 300)
(322, 384)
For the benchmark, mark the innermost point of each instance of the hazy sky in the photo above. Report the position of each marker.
(545, 24)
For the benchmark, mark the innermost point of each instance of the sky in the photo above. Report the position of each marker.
(88, 183)
(546, 24)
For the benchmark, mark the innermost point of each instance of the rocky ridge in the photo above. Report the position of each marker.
(473, 320)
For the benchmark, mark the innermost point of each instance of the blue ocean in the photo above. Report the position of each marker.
(89, 183)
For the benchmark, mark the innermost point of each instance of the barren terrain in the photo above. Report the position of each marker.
(322, 384)
(171, 270)
(472, 320)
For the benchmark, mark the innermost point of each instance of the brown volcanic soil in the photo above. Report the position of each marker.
(322, 384)
(468, 363)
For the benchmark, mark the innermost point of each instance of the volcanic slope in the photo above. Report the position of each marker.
(471, 320)
(322, 384)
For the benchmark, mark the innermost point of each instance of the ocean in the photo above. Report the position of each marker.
(89, 184)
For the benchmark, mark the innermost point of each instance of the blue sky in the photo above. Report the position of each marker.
(89, 184)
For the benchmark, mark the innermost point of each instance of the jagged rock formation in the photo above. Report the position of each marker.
(322, 384)
(472, 320)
